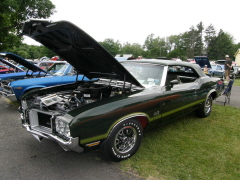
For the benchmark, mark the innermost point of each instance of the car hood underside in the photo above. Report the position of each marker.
(85, 54)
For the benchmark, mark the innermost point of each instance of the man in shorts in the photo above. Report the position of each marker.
(228, 67)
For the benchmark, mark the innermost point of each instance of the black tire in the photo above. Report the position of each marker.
(123, 141)
(31, 90)
(205, 109)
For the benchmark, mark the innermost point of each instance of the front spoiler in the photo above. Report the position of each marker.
(71, 145)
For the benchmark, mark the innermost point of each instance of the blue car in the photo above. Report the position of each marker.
(31, 69)
(61, 73)
(217, 71)
(12, 67)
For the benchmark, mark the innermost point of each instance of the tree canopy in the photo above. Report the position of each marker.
(14, 12)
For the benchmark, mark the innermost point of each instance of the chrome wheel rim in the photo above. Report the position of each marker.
(125, 139)
(208, 105)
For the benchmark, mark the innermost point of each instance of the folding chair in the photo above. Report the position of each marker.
(227, 92)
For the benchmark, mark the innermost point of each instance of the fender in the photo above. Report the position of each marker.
(144, 121)
(33, 87)
(141, 117)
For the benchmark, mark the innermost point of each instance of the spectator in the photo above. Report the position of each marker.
(228, 67)
(205, 69)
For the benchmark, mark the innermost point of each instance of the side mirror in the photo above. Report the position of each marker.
(171, 83)
(175, 81)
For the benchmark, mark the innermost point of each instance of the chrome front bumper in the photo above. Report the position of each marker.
(71, 145)
(12, 97)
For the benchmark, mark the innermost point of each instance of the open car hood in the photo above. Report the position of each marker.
(22, 61)
(85, 54)
(202, 61)
(10, 65)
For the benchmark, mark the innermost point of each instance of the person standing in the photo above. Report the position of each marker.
(205, 69)
(228, 67)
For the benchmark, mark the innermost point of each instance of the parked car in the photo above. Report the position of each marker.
(9, 67)
(218, 70)
(4, 69)
(221, 61)
(31, 70)
(58, 73)
(45, 65)
(61, 73)
(112, 112)
(202, 61)
(236, 71)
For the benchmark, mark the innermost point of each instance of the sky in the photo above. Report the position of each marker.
(133, 21)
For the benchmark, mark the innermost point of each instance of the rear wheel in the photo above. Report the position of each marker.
(205, 109)
(124, 140)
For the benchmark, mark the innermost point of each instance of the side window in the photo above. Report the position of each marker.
(71, 71)
(183, 74)
(58, 66)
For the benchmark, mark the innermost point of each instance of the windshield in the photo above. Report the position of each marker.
(214, 67)
(58, 69)
(146, 74)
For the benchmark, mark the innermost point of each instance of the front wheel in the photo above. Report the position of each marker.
(205, 109)
(124, 140)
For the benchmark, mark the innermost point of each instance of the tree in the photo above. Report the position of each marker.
(32, 51)
(111, 46)
(210, 34)
(14, 12)
(172, 42)
(198, 47)
(135, 49)
(175, 53)
(221, 45)
(155, 46)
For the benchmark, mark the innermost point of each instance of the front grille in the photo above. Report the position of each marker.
(41, 121)
(44, 120)
(7, 89)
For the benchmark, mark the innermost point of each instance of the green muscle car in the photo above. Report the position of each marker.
(112, 111)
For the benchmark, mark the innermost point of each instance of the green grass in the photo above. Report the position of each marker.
(13, 103)
(191, 148)
(236, 82)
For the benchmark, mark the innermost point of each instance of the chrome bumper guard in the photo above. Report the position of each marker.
(71, 145)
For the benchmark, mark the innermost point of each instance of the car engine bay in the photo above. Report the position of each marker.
(64, 101)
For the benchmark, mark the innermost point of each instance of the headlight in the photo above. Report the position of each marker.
(62, 127)
(238, 70)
